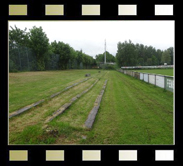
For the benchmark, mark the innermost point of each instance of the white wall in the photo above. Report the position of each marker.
(151, 79)
(145, 77)
(160, 81)
(141, 76)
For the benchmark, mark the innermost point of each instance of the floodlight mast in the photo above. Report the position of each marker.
(105, 54)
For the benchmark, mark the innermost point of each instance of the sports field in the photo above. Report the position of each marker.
(168, 72)
(131, 111)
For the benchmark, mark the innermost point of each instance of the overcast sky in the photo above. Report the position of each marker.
(90, 35)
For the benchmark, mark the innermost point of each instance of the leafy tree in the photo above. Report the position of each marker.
(109, 57)
(149, 61)
(129, 54)
(94, 62)
(79, 58)
(73, 58)
(166, 57)
(126, 54)
(51, 59)
(171, 54)
(85, 60)
(99, 58)
(158, 56)
(42, 55)
(39, 43)
(65, 52)
(154, 60)
(18, 51)
(18, 37)
(140, 61)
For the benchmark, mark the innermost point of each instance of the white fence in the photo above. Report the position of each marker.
(162, 81)
(145, 77)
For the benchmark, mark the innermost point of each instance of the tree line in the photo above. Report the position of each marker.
(129, 54)
(32, 51)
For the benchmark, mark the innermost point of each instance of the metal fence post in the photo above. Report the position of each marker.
(155, 79)
(164, 82)
(143, 76)
(148, 77)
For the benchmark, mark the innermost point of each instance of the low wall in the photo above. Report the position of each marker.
(162, 81)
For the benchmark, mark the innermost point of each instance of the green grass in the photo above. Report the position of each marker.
(168, 72)
(131, 112)
(33, 135)
(28, 87)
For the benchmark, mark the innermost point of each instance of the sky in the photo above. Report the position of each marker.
(90, 35)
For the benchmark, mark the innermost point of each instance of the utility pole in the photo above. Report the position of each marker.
(105, 54)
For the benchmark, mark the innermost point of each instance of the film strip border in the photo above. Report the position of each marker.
(100, 154)
(91, 155)
(90, 10)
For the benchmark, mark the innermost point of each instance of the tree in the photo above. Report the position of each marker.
(109, 57)
(120, 56)
(126, 54)
(65, 52)
(85, 60)
(149, 61)
(18, 37)
(99, 58)
(39, 43)
(79, 58)
(94, 62)
(141, 54)
(140, 61)
(165, 58)
(158, 56)
(73, 55)
(154, 60)
(171, 54)
(43, 56)
(129, 54)
(18, 51)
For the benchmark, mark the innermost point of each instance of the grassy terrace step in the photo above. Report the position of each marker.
(38, 115)
(66, 105)
(41, 101)
(15, 113)
(91, 117)
(26, 88)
